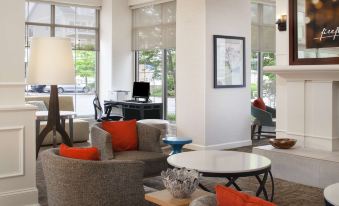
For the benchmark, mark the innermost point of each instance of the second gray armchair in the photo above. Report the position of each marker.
(149, 150)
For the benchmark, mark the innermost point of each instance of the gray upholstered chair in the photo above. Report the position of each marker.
(208, 200)
(149, 150)
(262, 118)
(72, 182)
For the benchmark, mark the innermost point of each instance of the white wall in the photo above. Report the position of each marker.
(282, 43)
(106, 49)
(214, 118)
(190, 71)
(116, 56)
(227, 110)
(123, 72)
(17, 125)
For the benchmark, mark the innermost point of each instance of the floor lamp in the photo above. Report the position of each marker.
(51, 63)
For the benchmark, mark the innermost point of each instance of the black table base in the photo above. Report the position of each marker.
(260, 175)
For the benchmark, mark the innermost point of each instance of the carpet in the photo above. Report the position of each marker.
(286, 193)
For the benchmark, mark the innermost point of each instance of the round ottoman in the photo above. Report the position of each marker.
(160, 124)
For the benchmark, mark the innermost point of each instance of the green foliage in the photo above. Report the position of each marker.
(171, 117)
(254, 90)
(152, 58)
(269, 60)
(85, 64)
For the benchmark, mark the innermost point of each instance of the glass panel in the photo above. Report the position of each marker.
(85, 17)
(66, 32)
(85, 39)
(150, 70)
(269, 86)
(85, 65)
(38, 12)
(65, 15)
(171, 82)
(254, 75)
(36, 31)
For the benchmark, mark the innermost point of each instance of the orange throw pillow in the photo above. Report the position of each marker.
(259, 103)
(90, 153)
(227, 197)
(124, 134)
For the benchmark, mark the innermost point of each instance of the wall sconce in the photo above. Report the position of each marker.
(282, 23)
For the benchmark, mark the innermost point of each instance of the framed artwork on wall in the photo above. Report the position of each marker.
(314, 32)
(229, 61)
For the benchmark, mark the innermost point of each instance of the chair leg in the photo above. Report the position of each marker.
(259, 131)
(253, 126)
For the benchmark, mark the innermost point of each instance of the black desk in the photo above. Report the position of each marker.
(139, 110)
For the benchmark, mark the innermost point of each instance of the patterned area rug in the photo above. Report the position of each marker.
(286, 193)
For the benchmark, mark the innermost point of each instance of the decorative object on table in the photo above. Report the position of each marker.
(283, 143)
(176, 143)
(51, 63)
(229, 61)
(181, 183)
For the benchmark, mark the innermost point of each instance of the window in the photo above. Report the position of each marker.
(154, 46)
(263, 52)
(81, 26)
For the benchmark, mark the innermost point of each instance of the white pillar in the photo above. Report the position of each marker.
(17, 122)
(214, 118)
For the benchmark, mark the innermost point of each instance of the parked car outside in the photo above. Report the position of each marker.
(61, 88)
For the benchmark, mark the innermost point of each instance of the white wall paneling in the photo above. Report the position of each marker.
(11, 151)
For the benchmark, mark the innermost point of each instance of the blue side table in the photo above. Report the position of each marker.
(176, 143)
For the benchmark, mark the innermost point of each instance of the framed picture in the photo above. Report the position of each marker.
(229, 61)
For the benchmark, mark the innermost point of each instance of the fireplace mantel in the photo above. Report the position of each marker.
(308, 105)
(307, 72)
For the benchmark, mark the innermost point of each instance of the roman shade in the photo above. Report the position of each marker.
(154, 26)
(263, 27)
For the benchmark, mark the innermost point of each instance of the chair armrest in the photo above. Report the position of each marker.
(264, 117)
(103, 141)
(148, 138)
(272, 111)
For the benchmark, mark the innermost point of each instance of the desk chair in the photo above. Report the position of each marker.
(98, 112)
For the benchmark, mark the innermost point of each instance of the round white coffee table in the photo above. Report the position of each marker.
(331, 195)
(229, 164)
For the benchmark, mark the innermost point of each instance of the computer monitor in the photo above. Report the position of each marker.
(141, 90)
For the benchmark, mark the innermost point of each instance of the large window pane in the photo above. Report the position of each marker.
(150, 70)
(38, 12)
(84, 49)
(85, 17)
(66, 32)
(171, 82)
(254, 75)
(65, 15)
(36, 31)
(269, 80)
(86, 39)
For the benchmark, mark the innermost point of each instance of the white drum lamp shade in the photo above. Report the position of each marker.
(51, 61)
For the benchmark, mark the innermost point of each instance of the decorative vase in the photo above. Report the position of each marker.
(181, 183)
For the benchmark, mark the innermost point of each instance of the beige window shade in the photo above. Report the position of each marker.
(88, 3)
(263, 27)
(154, 26)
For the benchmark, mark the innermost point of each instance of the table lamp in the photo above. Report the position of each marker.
(51, 63)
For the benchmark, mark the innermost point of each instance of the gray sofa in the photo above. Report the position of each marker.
(80, 127)
(72, 182)
(149, 150)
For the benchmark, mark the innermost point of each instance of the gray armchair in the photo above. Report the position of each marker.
(149, 150)
(72, 182)
(262, 118)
